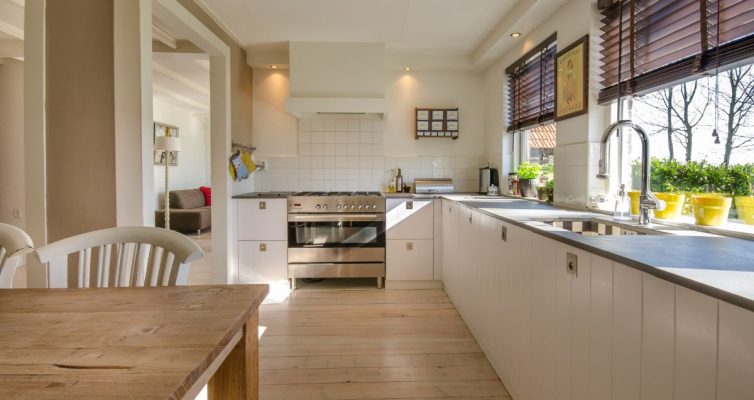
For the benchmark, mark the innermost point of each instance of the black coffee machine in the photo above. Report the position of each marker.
(488, 176)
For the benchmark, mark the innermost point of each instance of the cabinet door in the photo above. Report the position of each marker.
(409, 219)
(601, 329)
(735, 366)
(262, 219)
(695, 345)
(544, 339)
(409, 260)
(658, 339)
(262, 262)
(627, 308)
(449, 246)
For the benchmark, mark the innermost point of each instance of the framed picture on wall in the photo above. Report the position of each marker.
(436, 125)
(162, 129)
(422, 115)
(571, 79)
(438, 115)
(452, 115)
(422, 125)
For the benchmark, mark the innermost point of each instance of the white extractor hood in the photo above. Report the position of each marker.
(337, 78)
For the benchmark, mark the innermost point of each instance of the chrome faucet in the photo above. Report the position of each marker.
(647, 200)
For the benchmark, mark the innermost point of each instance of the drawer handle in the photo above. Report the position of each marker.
(409, 205)
(262, 205)
(469, 218)
(504, 234)
(262, 247)
(410, 246)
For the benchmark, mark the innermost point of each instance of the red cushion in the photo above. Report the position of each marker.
(207, 192)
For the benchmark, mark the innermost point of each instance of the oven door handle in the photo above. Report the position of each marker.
(335, 217)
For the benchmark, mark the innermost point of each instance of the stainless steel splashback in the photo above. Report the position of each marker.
(433, 185)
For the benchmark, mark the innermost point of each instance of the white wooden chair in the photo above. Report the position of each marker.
(119, 257)
(14, 243)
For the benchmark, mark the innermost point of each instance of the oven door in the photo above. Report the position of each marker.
(322, 231)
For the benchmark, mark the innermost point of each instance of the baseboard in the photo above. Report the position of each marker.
(413, 284)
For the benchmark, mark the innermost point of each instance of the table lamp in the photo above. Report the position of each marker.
(167, 144)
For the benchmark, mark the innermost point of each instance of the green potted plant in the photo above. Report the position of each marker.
(550, 186)
(527, 174)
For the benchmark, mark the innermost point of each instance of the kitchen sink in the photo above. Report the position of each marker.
(600, 227)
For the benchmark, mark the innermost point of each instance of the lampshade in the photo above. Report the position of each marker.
(167, 143)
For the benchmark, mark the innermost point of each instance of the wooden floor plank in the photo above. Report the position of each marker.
(371, 344)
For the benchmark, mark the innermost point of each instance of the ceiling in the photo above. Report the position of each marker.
(417, 27)
(182, 78)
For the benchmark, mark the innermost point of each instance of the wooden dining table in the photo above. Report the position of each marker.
(130, 343)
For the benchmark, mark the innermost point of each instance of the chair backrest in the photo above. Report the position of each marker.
(13, 244)
(120, 257)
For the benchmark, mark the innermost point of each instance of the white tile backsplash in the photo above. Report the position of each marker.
(350, 155)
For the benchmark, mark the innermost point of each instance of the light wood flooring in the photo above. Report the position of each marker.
(371, 344)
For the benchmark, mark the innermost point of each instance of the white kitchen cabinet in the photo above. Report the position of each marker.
(410, 248)
(409, 219)
(695, 345)
(601, 329)
(410, 260)
(627, 309)
(658, 339)
(544, 339)
(262, 261)
(735, 367)
(262, 219)
(450, 218)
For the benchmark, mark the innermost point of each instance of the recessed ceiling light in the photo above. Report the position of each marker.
(274, 66)
(407, 69)
(515, 34)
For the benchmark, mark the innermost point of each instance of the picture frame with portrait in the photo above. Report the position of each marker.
(163, 129)
(572, 79)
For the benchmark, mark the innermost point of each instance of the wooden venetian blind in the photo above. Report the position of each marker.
(664, 41)
(531, 87)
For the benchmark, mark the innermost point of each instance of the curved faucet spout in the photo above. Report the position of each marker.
(648, 201)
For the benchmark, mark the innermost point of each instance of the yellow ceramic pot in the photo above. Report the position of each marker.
(711, 209)
(634, 196)
(673, 205)
(745, 208)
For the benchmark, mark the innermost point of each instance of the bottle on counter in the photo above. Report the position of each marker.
(622, 205)
(399, 182)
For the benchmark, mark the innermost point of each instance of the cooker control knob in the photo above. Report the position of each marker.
(374, 206)
(319, 206)
(339, 206)
(324, 206)
(360, 206)
(353, 206)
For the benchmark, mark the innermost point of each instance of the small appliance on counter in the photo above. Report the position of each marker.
(433, 185)
(487, 177)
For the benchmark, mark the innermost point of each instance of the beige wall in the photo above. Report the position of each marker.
(80, 117)
(240, 77)
(11, 141)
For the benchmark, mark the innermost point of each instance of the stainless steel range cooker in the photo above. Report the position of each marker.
(336, 235)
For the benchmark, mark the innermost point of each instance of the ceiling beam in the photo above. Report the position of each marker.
(164, 37)
(497, 39)
(166, 94)
(12, 18)
(177, 77)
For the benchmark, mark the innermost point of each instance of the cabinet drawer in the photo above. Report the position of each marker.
(262, 262)
(262, 219)
(410, 260)
(410, 219)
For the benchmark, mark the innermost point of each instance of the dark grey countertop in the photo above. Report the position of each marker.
(721, 267)
(263, 195)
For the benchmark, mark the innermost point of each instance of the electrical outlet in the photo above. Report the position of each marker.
(18, 213)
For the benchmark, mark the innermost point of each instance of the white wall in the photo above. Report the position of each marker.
(279, 140)
(193, 168)
(12, 141)
(577, 147)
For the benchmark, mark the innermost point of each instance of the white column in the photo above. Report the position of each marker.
(134, 177)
